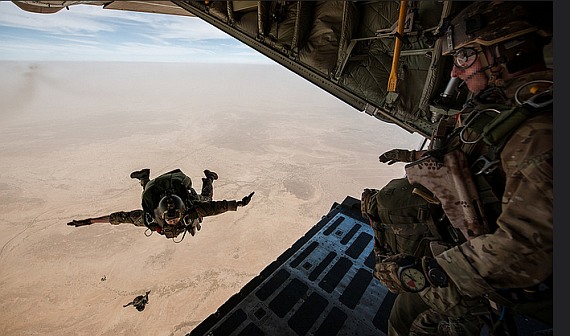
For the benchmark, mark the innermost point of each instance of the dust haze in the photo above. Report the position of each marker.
(70, 135)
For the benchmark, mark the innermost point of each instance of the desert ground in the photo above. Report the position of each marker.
(70, 135)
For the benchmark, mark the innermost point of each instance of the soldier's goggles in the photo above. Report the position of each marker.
(465, 57)
(171, 217)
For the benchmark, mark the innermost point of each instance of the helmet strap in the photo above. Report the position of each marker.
(486, 70)
(494, 78)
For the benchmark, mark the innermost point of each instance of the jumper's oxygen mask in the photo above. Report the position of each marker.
(454, 94)
(174, 225)
(173, 219)
(451, 100)
(186, 224)
(449, 96)
(172, 231)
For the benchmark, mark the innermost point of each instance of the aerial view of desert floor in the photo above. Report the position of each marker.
(70, 135)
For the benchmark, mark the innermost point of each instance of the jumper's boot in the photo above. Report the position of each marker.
(210, 174)
(207, 187)
(142, 175)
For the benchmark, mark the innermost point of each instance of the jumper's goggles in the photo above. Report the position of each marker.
(172, 217)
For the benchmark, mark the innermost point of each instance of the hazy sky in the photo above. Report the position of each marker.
(91, 33)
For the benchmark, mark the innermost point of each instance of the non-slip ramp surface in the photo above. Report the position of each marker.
(322, 285)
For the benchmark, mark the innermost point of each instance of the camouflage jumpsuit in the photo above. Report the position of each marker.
(200, 205)
(518, 254)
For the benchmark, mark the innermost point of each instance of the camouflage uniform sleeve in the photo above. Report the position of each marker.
(519, 253)
(134, 217)
(211, 208)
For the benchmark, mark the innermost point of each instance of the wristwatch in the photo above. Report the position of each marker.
(436, 274)
(412, 277)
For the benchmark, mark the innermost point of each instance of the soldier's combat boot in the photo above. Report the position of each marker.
(211, 175)
(142, 175)
(207, 186)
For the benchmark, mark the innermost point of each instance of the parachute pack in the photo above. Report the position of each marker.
(405, 218)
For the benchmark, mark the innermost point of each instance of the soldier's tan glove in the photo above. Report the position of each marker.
(368, 206)
(367, 200)
(397, 155)
(387, 272)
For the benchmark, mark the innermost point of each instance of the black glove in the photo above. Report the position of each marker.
(434, 273)
(194, 227)
(397, 155)
(245, 201)
(80, 222)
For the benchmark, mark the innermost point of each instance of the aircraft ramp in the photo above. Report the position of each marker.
(322, 285)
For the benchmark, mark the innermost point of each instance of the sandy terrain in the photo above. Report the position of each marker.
(70, 134)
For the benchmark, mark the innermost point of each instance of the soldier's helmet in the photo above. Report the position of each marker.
(514, 26)
(171, 209)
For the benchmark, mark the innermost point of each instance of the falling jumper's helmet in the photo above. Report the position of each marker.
(171, 209)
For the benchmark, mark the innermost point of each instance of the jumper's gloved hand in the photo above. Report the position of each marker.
(192, 225)
(80, 222)
(245, 201)
(397, 155)
(195, 227)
